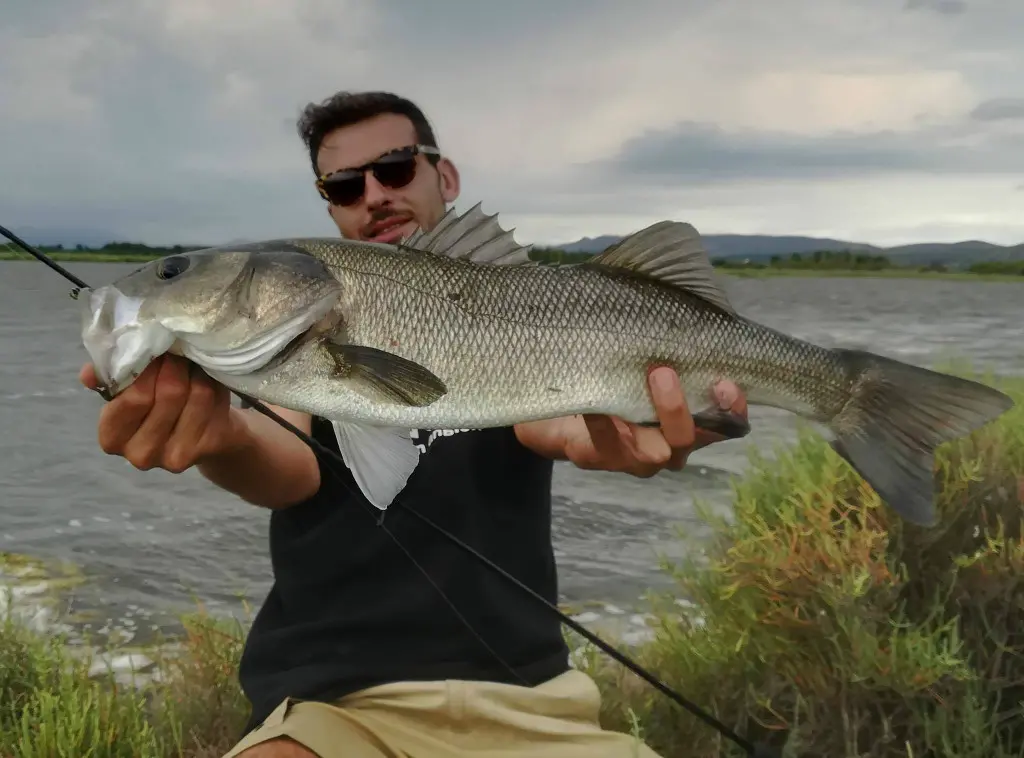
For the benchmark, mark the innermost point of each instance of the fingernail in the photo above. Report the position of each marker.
(664, 381)
(726, 397)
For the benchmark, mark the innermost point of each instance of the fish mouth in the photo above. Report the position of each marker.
(121, 345)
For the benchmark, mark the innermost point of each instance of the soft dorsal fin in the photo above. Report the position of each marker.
(671, 252)
(473, 236)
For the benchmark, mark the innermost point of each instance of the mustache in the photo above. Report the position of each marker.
(384, 214)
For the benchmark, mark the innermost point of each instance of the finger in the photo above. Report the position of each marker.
(677, 461)
(183, 445)
(87, 376)
(170, 392)
(651, 449)
(606, 432)
(121, 418)
(608, 438)
(670, 404)
(730, 398)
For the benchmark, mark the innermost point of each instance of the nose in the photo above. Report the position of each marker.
(376, 194)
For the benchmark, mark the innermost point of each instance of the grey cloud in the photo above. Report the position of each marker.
(705, 153)
(168, 153)
(947, 7)
(998, 109)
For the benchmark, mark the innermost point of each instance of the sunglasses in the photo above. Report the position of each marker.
(394, 170)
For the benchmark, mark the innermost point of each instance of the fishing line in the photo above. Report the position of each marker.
(755, 750)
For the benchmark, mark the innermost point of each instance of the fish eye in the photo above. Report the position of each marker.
(172, 266)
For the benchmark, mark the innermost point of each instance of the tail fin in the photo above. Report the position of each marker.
(897, 416)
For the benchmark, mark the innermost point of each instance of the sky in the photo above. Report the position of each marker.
(173, 121)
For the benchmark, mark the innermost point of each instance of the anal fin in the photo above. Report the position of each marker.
(725, 423)
(729, 425)
(380, 458)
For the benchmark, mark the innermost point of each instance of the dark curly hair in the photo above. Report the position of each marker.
(346, 108)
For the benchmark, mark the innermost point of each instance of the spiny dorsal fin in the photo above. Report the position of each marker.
(671, 252)
(473, 236)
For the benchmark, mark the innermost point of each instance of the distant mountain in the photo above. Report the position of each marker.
(737, 245)
(589, 244)
(953, 253)
(758, 247)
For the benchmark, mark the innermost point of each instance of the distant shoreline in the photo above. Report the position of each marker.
(71, 257)
(893, 273)
(765, 273)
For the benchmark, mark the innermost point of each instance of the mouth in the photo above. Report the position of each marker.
(391, 229)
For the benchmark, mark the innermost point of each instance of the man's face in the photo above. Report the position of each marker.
(382, 213)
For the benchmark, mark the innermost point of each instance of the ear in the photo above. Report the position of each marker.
(449, 179)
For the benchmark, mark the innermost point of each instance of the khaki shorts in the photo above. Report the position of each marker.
(453, 719)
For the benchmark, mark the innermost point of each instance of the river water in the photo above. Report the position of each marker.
(151, 544)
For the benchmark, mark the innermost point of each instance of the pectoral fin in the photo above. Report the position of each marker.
(398, 379)
(381, 459)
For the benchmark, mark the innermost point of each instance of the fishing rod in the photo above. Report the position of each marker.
(752, 749)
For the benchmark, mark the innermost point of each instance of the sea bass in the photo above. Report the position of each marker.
(459, 328)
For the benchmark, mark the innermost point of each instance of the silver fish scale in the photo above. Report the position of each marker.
(514, 343)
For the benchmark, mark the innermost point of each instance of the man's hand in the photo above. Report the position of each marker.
(174, 417)
(611, 444)
(171, 417)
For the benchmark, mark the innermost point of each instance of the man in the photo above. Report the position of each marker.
(354, 652)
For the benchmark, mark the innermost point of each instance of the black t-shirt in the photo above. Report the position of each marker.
(349, 610)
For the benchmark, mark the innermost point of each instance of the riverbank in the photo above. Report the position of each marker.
(892, 273)
(738, 271)
(811, 613)
(92, 257)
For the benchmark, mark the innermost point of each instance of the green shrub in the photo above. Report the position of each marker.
(51, 708)
(826, 621)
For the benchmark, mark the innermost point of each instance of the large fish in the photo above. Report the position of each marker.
(458, 328)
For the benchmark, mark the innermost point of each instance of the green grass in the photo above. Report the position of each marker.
(823, 619)
(112, 252)
(86, 257)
